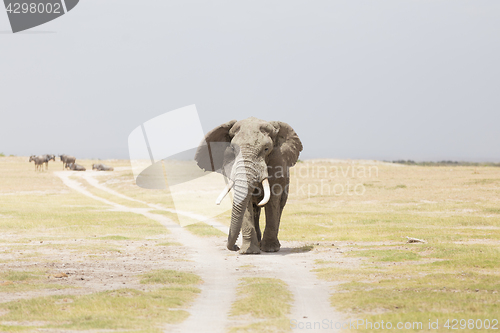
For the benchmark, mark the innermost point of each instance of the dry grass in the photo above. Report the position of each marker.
(164, 276)
(454, 275)
(268, 313)
(122, 309)
(434, 197)
(18, 281)
(41, 220)
(455, 209)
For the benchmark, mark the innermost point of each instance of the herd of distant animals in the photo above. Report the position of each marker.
(69, 162)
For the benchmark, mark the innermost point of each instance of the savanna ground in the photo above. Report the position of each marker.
(99, 262)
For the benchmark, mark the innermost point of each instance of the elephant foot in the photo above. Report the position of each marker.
(249, 248)
(270, 246)
(233, 248)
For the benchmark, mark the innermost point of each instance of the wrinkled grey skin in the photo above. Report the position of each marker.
(76, 167)
(102, 167)
(66, 159)
(47, 158)
(39, 160)
(254, 150)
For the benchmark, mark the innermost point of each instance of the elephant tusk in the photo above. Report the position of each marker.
(224, 192)
(267, 193)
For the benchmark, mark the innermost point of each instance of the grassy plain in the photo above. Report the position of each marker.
(455, 275)
(365, 209)
(46, 229)
(268, 313)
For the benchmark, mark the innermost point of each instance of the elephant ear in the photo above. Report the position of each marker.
(287, 146)
(210, 153)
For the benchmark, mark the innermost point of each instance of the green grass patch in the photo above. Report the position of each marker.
(484, 181)
(413, 298)
(339, 273)
(122, 309)
(164, 276)
(388, 255)
(18, 281)
(169, 244)
(204, 230)
(18, 276)
(492, 210)
(72, 215)
(304, 248)
(421, 281)
(465, 256)
(322, 262)
(263, 298)
(115, 237)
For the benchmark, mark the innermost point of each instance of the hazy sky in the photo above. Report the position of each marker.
(356, 79)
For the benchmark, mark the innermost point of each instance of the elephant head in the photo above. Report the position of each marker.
(249, 153)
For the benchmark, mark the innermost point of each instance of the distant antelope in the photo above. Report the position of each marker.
(67, 160)
(39, 160)
(47, 158)
(76, 167)
(102, 167)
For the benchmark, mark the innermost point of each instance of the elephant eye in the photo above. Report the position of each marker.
(266, 149)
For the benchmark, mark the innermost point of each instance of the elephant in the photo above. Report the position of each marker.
(102, 167)
(67, 160)
(48, 157)
(39, 160)
(255, 156)
(76, 167)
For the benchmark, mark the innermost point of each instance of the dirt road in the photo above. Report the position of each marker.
(220, 270)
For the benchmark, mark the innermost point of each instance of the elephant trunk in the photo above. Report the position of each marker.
(245, 178)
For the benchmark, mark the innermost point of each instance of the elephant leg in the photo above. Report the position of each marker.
(250, 244)
(270, 241)
(256, 218)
